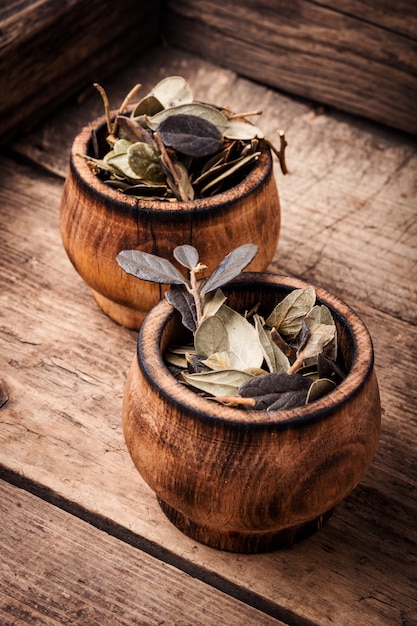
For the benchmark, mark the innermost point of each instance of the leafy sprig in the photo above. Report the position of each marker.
(285, 360)
(175, 148)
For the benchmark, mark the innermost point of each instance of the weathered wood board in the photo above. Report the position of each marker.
(360, 57)
(92, 578)
(50, 50)
(349, 224)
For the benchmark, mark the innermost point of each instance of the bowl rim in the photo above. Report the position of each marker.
(88, 181)
(155, 371)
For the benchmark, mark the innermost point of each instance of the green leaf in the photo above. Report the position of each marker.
(287, 317)
(211, 336)
(244, 347)
(204, 111)
(172, 91)
(212, 302)
(186, 255)
(150, 267)
(190, 135)
(230, 267)
(143, 159)
(274, 357)
(218, 383)
(121, 163)
(243, 130)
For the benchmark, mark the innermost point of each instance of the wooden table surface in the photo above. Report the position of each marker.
(83, 538)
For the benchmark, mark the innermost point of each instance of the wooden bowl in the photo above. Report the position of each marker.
(250, 481)
(97, 222)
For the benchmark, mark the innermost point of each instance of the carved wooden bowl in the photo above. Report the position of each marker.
(97, 222)
(250, 481)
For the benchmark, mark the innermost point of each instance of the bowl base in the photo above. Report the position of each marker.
(244, 542)
(123, 315)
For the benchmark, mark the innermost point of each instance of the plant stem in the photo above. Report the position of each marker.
(170, 167)
(281, 152)
(106, 107)
(195, 292)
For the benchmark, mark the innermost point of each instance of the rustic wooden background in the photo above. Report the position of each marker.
(359, 57)
(349, 224)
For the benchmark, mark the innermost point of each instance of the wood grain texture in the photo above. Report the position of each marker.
(349, 224)
(56, 569)
(51, 50)
(357, 57)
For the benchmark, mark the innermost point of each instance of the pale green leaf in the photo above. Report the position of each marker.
(211, 336)
(244, 347)
(319, 388)
(218, 361)
(186, 255)
(172, 91)
(212, 302)
(243, 130)
(218, 383)
(287, 317)
(143, 159)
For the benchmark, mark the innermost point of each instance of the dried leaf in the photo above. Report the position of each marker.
(132, 131)
(275, 359)
(230, 267)
(319, 388)
(211, 336)
(121, 163)
(181, 299)
(150, 105)
(203, 111)
(243, 130)
(219, 361)
(212, 302)
(273, 383)
(229, 169)
(186, 255)
(150, 267)
(288, 400)
(218, 383)
(143, 159)
(319, 336)
(244, 348)
(287, 317)
(190, 135)
(172, 91)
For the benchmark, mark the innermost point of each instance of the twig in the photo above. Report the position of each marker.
(106, 107)
(170, 167)
(281, 152)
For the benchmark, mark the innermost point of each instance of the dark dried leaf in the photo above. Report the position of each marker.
(190, 135)
(181, 299)
(230, 267)
(195, 364)
(278, 382)
(132, 131)
(150, 267)
(289, 400)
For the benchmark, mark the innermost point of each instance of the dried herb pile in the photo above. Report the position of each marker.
(173, 148)
(279, 362)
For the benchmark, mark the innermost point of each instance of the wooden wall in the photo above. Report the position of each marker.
(51, 49)
(358, 56)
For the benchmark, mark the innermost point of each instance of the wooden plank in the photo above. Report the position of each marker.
(334, 53)
(61, 427)
(50, 50)
(56, 569)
